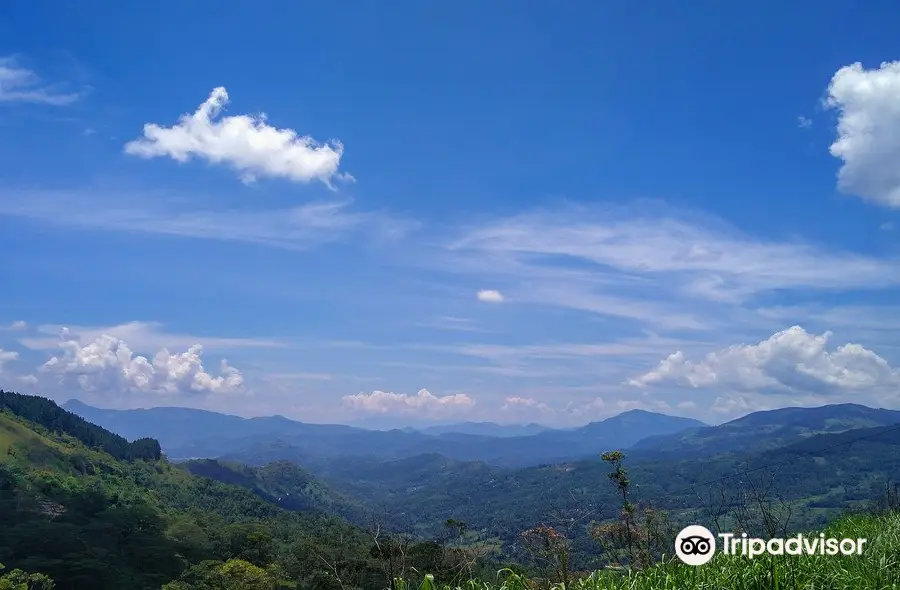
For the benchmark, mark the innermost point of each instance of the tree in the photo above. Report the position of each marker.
(759, 506)
(550, 548)
(641, 532)
(19, 580)
(234, 574)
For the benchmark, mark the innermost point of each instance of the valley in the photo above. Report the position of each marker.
(818, 461)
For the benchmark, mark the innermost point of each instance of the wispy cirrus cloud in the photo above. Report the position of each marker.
(15, 326)
(20, 84)
(555, 353)
(649, 264)
(141, 335)
(710, 260)
(452, 324)
(295, 228)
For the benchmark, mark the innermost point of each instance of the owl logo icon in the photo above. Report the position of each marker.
(695, 545)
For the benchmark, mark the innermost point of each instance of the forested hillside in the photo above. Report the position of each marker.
(282, 483)
(55, 419)
(820, 477)
(89, 520)
(89, 509)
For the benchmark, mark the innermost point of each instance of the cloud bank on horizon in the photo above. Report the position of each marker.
(226, 260)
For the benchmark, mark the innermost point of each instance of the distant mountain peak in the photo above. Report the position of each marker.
(644, 416)
(639, 412)
(74, 403)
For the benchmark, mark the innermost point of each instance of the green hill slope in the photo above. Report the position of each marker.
(89, 520)
(282, 483)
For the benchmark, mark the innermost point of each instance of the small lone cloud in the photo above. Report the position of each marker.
(887, 226)
(803, 122)
(490, 296)
(246, 143)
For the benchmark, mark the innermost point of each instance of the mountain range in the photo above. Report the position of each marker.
(189, 433)
(828, 459)
(818, 461)
(186, 433)
(768, 429)
(485, 429)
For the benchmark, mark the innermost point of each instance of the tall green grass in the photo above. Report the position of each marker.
(878, 568)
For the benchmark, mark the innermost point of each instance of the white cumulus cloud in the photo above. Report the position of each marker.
(108, 365)
(245, 142)
(791, 361)
(868, 131)
(424, 403)
(514, 403)
(7, 356)
(490, 296)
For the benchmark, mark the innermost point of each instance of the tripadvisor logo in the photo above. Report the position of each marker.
(696, 545)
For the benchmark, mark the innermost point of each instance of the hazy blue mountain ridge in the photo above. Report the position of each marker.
(188, 433)
(769, 429)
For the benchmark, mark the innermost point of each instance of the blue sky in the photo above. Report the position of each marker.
(401, 213)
